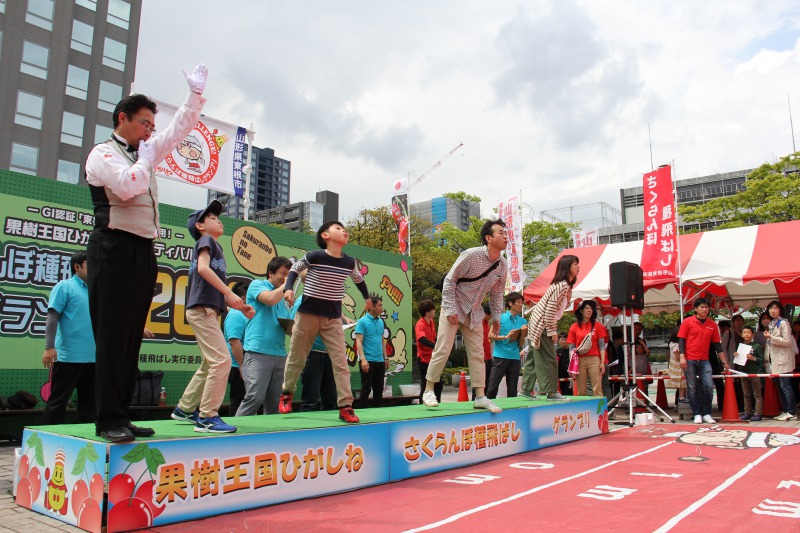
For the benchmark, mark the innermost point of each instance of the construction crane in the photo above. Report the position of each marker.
(436, 165)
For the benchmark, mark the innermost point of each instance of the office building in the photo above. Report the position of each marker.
(303, 216)
(65, 64)
(439, 210)
(689, 191)
(269, 185)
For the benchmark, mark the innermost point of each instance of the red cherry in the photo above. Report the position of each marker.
(89, 515)
(120, 487)
(145, 493)
(35, 477)
(24, 495)
(129, 514)
(79, 493)
(47, 473)
(96, 487)
(24, 464)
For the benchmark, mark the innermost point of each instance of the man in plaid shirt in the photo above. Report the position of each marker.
(477, 272)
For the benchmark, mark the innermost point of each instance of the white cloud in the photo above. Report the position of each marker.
(552, 98)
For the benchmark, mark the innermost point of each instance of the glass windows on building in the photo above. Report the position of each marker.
(77, 82)
(102, 133)
(34, 60)
(91, 5)
(24, 158)
(82, 35)
(72, 129)
(40, 13)
(68, 172)
(114, 54)
(29, 110)
(2, 6)
(110, 95)
(119, 12)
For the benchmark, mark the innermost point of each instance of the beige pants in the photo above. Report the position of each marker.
(305, 330)
(589, 367)
(206, 389)
(473, 339)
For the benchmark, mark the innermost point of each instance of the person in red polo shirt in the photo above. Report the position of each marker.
(697, 335)
(425, 332)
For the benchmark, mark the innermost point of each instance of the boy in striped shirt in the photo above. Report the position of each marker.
(320, 314)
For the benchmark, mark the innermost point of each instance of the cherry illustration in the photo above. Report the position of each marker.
(24, 465)
(96, 487)
(24, 494)
(120, 487)
(79, 493)
(89, 515)
(47, 473)
(145, 493)
(131, 513)
(35, 478)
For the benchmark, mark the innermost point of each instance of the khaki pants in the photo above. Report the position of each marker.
(545, 365)
(589, 367)
(206, 389)
(473, 339)
(305, 330)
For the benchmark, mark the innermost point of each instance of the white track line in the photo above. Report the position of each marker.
(672, 522)
(474, 510)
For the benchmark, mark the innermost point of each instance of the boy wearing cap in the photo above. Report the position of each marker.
(208, 296)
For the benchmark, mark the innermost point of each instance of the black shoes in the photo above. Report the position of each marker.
(141, 432)
(117, 434)
(124, 434)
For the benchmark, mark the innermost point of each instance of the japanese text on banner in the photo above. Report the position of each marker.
(659, 253)
(583, 239)
(508, 210)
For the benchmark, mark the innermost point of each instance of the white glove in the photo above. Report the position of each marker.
(146, 154)
(197, 79)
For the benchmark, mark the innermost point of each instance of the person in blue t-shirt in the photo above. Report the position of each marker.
(507, 344)
(265, 341)
(233, 327)
(69, 346)
(371, 348)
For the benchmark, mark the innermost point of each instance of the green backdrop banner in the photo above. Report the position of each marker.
(45, 222)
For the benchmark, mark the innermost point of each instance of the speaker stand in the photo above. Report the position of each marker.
(629, 392)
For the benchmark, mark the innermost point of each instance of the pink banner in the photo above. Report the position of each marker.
(660, 250)
(508, 210)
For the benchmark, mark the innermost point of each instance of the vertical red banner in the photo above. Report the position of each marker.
(660, 250)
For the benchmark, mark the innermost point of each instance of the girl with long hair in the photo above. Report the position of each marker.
(541, 364)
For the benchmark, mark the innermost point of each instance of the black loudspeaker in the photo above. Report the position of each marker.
(627, 288)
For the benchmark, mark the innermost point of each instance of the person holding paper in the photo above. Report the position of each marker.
(508, 342)
(750, 360)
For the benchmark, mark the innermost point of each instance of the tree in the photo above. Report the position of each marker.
(458, 240)
(771, 194)
(542, 242)
(374, 228)
(461, 196)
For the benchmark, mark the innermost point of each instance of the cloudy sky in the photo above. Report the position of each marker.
(552, 98)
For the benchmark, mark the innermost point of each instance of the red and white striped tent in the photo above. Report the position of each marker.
(736, 267)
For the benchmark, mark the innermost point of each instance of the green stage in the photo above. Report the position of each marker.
(173, 429)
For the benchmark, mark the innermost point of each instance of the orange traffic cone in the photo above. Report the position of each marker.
(640, 394)
(730, 410)
(462, 388)
(772, 405)
(661, 395)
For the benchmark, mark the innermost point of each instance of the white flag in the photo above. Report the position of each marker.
(582, 239)
(508, 210)
(211, 156)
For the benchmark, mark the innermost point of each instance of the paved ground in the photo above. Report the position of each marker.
(18, 519)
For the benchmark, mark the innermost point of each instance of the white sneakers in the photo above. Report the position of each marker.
(708, 420)
(429, 399)
(784, 417)
(485, 403)
(698, 419)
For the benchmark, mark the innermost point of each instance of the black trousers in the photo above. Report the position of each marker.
(504, 367)
(121, 278)
(319, 385)
(237, 390)
(437, 387)
(67, 377)
(372, 380)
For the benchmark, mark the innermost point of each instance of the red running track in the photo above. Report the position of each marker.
(662, 478)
